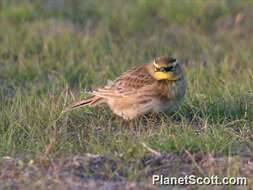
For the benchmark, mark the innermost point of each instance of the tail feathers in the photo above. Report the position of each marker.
(92, 101)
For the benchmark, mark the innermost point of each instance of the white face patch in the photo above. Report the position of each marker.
(175, 63)
(155, 64)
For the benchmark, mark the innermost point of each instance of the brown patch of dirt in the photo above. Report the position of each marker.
(101, 172)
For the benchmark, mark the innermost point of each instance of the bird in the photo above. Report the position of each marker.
(157, 86)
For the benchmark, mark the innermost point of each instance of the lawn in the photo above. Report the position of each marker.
(52, 50)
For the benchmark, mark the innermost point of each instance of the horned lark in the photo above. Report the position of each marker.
(152, 87)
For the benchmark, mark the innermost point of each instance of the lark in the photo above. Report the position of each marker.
(154, 87)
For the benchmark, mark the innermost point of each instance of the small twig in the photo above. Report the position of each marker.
(151, 150)
(89, 155)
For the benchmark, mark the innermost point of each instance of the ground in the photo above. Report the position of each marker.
(52, 50)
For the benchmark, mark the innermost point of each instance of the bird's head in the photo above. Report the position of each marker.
(166, 68)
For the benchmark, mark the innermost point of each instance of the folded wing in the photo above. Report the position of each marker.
(128, 84)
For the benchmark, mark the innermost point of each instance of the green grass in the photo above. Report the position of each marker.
(51, 51)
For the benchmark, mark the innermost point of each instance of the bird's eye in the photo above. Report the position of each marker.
(162, 69)
(165, 69)
(168, 69)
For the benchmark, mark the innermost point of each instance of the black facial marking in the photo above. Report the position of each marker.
(172, 60)
(165, 69)
(168, 69)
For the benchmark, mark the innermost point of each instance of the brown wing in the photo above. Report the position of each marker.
(127, 84)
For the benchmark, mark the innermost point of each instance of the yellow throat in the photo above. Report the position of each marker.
(158, 75)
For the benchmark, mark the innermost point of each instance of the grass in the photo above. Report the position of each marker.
(50, 51)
